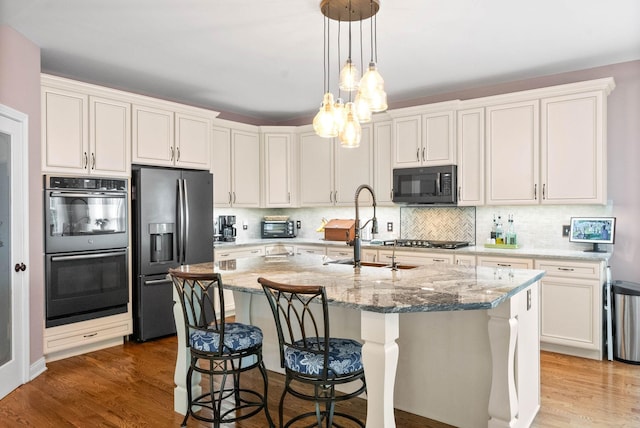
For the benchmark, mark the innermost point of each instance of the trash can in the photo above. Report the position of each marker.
(626, 312)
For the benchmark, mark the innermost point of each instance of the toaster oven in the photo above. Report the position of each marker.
(278, 229)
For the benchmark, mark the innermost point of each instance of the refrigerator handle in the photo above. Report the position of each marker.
(185, 222)
(180, 222)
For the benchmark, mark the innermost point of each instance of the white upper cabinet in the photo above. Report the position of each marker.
(424, 136)
(382, 163)
(192, 141)
(316, 170)
(83, 133)
(329, 173)
(470, 153)
(549, 148)
(153, 136)
(166, 137)
(278, 180)
(235, 165)
(573, 161)
(513, 145)
(353, 167)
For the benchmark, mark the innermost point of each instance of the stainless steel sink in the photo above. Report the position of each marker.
(370, 264)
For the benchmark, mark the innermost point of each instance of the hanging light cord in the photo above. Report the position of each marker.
(325, 38)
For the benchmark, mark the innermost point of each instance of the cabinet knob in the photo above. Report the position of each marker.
(20, 267)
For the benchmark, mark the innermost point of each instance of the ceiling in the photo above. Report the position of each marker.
(264, 59)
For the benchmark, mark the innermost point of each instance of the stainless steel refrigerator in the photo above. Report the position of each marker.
(172, 220)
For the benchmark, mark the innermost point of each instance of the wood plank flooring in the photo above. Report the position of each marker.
(132, 386)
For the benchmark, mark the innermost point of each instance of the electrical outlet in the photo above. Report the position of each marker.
(299, 224)
(390, 226)
(245, 226)
(565, 230)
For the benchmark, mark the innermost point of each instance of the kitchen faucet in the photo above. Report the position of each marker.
(374, 224)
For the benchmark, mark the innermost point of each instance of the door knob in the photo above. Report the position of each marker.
(20, 267)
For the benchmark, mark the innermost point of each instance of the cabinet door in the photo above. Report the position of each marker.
(245, 170)
(316, 171)
(470, 156)
(109, 137)
(569, 311)
(382, 166)
(153, 138)
(221, 167)
(65, 145)
(277, 170)
(407, 141)
(512, 153)
(573, 164)
(438, 145)
(353, 168)
(193, 141)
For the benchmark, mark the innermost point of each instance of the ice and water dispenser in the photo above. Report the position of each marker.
(161, 242)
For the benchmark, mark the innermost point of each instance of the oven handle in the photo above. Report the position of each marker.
(84, 195)
(88, 256)
(157, 281)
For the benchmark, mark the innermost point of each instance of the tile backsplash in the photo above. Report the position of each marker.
(438, 223)
(536, 226)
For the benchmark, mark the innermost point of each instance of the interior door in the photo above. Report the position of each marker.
(14, 345)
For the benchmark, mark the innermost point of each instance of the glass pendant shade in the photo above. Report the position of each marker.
(362, 108)
(349, 77)
(324, 123)
(371, 80)
(351, 132)
(378, 101)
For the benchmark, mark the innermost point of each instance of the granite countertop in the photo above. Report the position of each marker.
(380, 289)
(523, 252)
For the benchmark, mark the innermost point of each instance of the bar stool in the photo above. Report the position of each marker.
(309, 355)
(219, 351)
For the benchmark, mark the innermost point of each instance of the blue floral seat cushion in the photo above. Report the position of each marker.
(237, 337)
(345, 357)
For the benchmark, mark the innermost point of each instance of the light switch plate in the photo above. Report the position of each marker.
(565, 230)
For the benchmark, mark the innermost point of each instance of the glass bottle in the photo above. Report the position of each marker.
(511, 232)
(499, 232)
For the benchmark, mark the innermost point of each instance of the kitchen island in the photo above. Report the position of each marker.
(443, 338)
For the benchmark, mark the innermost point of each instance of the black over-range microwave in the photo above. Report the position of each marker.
(425, 185)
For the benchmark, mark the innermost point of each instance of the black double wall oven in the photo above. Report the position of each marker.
(86, 256)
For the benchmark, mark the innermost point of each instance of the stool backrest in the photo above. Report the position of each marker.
(199, 307)
(302, 318)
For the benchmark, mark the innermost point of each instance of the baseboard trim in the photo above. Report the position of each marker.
(37, 368)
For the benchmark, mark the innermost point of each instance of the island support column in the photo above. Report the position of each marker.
(380, 359)
(514, 399)
(180, 396)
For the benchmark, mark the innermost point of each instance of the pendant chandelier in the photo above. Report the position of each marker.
(366, 94)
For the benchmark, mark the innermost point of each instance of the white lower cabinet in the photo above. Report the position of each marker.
(86, 336)
(571, 307)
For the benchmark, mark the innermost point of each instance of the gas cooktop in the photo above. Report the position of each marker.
(425, 243)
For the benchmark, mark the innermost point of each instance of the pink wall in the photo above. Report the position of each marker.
(20, 90)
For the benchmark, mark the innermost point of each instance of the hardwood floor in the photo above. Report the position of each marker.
(132, 386)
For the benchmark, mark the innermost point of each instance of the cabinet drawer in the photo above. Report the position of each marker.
(343, 254)
(239, 253)
(584, 270)
(311, 250)
(505, 262)
(85, 336)
(415, 257)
